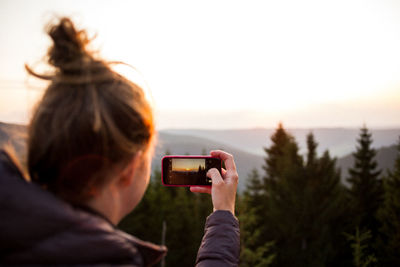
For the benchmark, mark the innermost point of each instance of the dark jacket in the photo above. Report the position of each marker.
(36, 227)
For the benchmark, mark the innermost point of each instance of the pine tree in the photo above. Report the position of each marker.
(254, 251)
(389, 216)
(303, 203)
(283, 185)
(365, 185)
(311, 151)
(282, 156)
(359, 244)
(254, 193)
(281, 141)
(324, 208)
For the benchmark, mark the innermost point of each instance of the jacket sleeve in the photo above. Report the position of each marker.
(221, 241)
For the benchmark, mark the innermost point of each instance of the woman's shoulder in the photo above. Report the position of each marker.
(38, 227)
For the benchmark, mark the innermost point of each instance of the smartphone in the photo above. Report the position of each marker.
(188, 170)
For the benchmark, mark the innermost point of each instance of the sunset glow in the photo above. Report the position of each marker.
(226, 64)
(187, 164)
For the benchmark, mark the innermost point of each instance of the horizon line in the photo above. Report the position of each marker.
(389, 127)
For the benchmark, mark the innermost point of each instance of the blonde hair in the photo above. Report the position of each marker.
(89, 121)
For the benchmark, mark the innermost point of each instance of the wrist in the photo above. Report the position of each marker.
(223, 216)
(225, 209)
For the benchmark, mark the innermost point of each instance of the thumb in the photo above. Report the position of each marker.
(215, 176)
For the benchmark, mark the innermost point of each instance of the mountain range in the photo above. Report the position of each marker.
(339, 141)
(246, 145)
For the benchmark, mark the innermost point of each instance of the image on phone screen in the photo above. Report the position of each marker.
(188, 171)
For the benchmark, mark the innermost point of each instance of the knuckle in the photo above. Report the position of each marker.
(212, 171)
(235, 176)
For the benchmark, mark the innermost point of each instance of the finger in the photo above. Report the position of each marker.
(231, 177)
(226, 157)
(223, 172)
(200, 189)
(215, 176)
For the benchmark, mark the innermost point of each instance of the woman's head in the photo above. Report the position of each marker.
(90, 123)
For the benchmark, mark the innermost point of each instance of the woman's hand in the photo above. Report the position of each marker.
(224, 184)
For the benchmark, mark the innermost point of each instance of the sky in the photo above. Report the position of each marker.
(225, 64)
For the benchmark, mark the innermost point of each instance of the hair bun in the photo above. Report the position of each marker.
(69, 49)
(73, 62)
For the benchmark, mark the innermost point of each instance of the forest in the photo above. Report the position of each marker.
(296, 212)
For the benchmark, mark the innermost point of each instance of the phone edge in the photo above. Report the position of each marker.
(183, 156)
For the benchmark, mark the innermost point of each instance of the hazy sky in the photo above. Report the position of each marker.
(226, 64)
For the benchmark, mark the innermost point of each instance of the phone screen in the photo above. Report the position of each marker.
(184, 171)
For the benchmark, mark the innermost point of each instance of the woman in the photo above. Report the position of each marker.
(91, 140)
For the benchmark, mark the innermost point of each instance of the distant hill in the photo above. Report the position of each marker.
(233, 141)
(339, 141)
